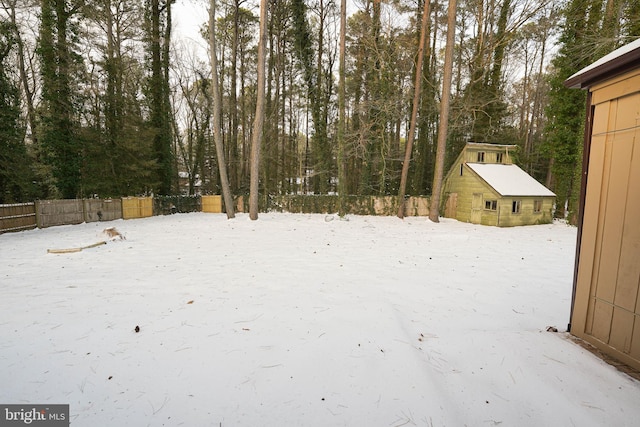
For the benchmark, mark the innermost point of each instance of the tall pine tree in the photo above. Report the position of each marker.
(159, 38)
(591, 29)
(62, 150)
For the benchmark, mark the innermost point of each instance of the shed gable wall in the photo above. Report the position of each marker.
(466, 186)
(492, 154)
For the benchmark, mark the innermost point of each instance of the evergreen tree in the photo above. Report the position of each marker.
(631, 24)
(14, 163)
(61, 147)
(422, 168)
(159, 38)
(116, 136)
(591, 29)
(313, 78)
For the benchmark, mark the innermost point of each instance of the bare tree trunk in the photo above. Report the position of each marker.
(24, 76)
(342, 175)
(414, 112)
(217, 112)
(233, 100)
(434, 208)
(259, 119)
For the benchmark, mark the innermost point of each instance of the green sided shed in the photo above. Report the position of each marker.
(484, 187)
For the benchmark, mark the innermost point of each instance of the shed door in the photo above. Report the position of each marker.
(607, 306)
(476, 208)
(451, 207)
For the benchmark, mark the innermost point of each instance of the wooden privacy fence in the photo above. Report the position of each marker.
(212, 204)
(416, 206)
(137, 207)
(75, 211)
(102, 209)
(215, 204)
(355, 205)
(59, 212)
(48, 213)
(17, 216)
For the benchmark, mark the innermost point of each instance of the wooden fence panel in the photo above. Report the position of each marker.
(146, 207)
(59, 212)
(137, 207)
(417, 206)
(102, 209)
(17, 216)
(239, 201)
(360, 205)
(130, 208)
(212, 204)
(385, 205)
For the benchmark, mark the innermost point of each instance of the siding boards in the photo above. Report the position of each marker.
(526, 214)
(465, 186)
(607, 304)
(616, 88)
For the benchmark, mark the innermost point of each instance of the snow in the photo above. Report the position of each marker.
(301, 320)
(510, 180)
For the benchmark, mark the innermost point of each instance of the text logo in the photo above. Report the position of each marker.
(34, 415)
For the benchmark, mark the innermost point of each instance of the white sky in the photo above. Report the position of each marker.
(188, 16)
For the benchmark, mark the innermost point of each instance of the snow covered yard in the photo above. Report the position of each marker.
(301, 320)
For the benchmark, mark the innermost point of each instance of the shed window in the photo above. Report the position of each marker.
(480, 156)
(515, 206)
(498, 157)
(491, 205)
(537, 206)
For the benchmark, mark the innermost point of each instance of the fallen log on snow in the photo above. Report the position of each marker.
(70, 250)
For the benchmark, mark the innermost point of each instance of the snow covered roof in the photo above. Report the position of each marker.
(616, 62)
(510, 180)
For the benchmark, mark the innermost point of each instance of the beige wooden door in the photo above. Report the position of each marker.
(476, 208)
(607, 306)
(451, 207)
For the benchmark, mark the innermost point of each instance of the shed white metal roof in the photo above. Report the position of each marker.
(510, 180)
